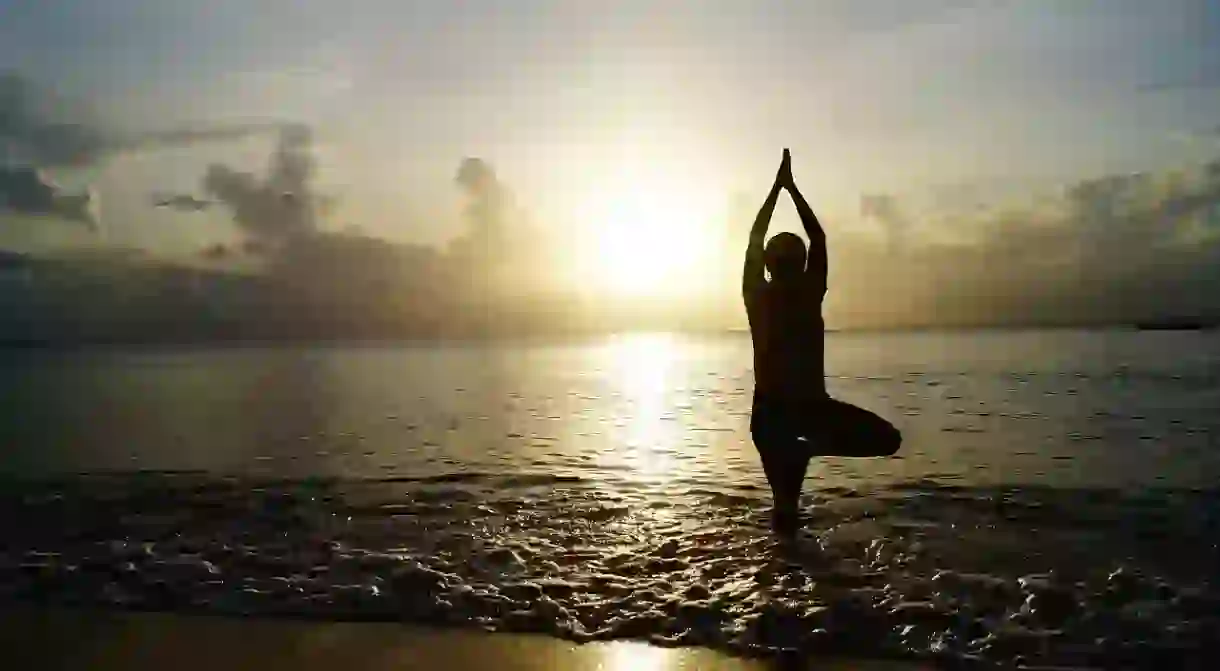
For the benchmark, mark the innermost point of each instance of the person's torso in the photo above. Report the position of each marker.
(788, 332)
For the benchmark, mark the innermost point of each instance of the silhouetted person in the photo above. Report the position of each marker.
(793, 417)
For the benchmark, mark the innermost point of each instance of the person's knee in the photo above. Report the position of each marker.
(768, 456)
(791, 469)
(892, 440)
(785, 470)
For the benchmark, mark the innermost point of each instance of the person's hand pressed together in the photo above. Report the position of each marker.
(784, 177)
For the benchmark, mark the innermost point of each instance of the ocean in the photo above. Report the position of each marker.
(1056, 499)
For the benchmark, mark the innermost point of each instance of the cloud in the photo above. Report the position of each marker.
(884, 209)
(32, 133)
(487, 208)
(503, 244)
(281, 206)
(1116, 248)
(476, 175)
(27, 191)
(216, 252)
(183, 202)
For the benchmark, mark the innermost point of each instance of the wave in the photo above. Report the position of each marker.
(921, 569)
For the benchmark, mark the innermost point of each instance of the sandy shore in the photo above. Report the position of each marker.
(63, 639)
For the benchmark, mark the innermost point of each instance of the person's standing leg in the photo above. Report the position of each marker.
(784, 461)
(793, 462)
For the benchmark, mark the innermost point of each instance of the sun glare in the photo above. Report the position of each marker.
(643, 367)
(648, 237)
(634, 656)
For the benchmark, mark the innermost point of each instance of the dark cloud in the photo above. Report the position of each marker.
(28, 191)
(476, 176)
(183, 202)
(280, 207)
(32, 132)
(248, 248)
(487, 207)
(1117, 248)
(503, 247)
(216, 252)
(253, 248)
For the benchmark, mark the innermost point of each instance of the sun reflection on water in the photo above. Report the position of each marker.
(629, 656)
(641, 368)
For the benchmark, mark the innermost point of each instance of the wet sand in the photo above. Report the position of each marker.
(86, 639)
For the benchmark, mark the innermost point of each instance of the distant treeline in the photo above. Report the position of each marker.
(324, 287)
(339, 287)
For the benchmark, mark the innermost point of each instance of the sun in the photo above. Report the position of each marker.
(648, 237)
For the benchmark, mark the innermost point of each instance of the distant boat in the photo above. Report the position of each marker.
(1175, 325)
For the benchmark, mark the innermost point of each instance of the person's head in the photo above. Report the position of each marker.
(785, 256)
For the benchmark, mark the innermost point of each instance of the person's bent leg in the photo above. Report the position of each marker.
(846, 430)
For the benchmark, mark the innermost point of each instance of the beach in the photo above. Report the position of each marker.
(107, 640)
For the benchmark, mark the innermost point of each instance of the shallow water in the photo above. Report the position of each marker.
(1055, 500)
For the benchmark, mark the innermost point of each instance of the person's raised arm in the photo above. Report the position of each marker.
(817, 265)
(754, 276)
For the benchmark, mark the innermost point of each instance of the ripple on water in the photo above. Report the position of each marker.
(1051, 577)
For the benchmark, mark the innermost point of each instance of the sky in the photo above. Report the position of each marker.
(576, 103)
